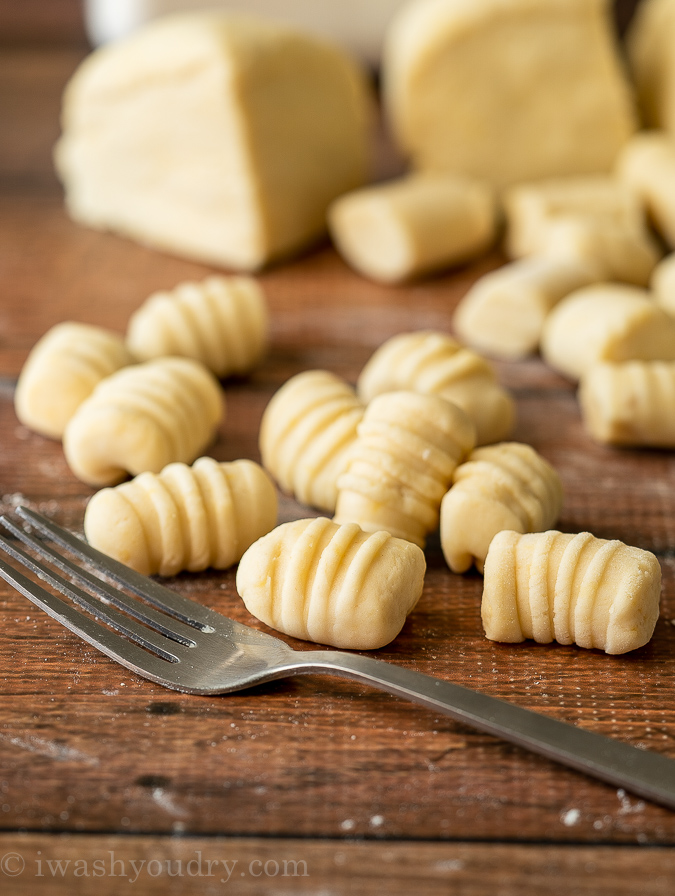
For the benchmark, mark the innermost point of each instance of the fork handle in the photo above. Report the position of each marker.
(644, 773)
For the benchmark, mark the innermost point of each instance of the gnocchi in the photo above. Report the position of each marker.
(306, 433)
(432, 362)
(142, 418)
(62, 369)
(647, 166)
(503, 313)
(573, 589)
(414, 225)
(632, 403)
(222, 322)
(606, 322)
(662, 283)
(401, 464)
(183, 518)
(334, 584)
(505, 486)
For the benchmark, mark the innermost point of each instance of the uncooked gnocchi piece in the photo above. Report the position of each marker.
(221, 322)
(337, 585)
(62, 369)
(662, 283)
(142, 418)
(532, 208)
(506, 486)
(434, 363)
(184, 517)
(306, 433)
(414, 225)
(503, 313)
(647, 165)
(401, 464)
(606, 322)
(632, 403)
(508, 91)
(573, 589)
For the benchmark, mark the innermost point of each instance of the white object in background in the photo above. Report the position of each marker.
(358, 25)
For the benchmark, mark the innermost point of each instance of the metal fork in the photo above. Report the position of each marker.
(182, 645)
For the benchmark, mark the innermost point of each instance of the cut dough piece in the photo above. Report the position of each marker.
(503, 313)
(647, 165)
(220, 138)
(507, 91)
(649, 42)
(663, 283)
(337, 585)
(632, 403)
(573, 589)
(606, 322)
(420, 223)
(62, 370)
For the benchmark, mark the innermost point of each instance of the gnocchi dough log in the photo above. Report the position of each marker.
(649, 42)
(221, 138)
(632, 403)
(509, 92)
(573, 589)
(434, 363)
(184, 517)
(337, 585)
(306, 433)
(506, 486)
(222, 322)
(401, 464)
(606, 322)
(647, 165)
(62, 369)
(411, 226)
(142, 418)
(503, 313)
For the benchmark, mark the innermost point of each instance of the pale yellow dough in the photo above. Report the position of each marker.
(183, 518)
(632, 403)
(662, 283)
(416, 224)
(306, 433)
(222, 322)
(216, 137)
(507, 91)
(142, 418)
(337, 585)
(650, 40)
(503, 313)
(647, 165)
(433, 363)
(62, 369)
(505, 486)
(606, 322)
(573, 589)
(402, 463)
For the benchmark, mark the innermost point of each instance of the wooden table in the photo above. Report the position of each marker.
(317, 785)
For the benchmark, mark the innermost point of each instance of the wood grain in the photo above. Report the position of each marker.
(89, 750)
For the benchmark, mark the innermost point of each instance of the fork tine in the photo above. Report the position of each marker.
(140, 611)
(148, 638)
(169, 601)
(144, 663)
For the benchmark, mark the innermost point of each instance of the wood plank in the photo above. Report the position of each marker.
(38, 864)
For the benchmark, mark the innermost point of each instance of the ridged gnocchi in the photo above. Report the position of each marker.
(434, 363)
(142, 418)
(606, 322)
(401, 464)
(632, 403)
(306, 433)
(573, 589)
(505, 486)
(222, 322)
(62, 369)
(503, 313)
(338, 585)
(183, 518)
